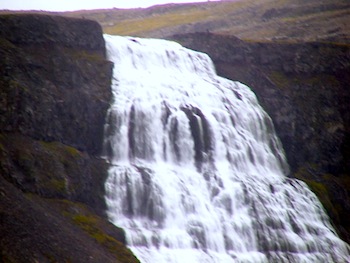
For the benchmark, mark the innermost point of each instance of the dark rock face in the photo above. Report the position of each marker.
(304, 88)
(35, 29)
(40, 230)
(53, 170)
(54, 79)
(54, 95)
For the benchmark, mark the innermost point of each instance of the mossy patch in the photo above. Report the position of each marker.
(333, 193)
(84, 55)
(64, 150)
(280, 79)
(96, 227)
(89, 224)
(318, 186)
(45, 168)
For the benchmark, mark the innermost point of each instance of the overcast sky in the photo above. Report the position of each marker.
(69, 5)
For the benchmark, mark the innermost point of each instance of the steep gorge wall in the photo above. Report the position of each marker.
(55, 87)
(54, 79)
(305, 89)
(54, 94)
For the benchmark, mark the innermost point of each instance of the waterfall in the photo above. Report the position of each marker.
(197, 173)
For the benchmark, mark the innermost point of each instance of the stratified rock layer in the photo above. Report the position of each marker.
(54, 79)
(54, 95)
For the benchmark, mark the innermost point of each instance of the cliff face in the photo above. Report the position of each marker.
(304, 88)
(54, 94)
(54, 79)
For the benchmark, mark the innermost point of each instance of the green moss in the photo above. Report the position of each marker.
(94, 226)
(89, 224)
(14, 84)
(279, 79)
(59, 185)
(72, 151)
(319, 187)
(62, 150)
(326, 191)
(85, 221)
(84, 55)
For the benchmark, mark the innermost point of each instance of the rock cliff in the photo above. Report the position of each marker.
(54, 94)
(304, 87)
(54, 79)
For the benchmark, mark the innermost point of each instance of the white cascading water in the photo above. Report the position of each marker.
(197, 173)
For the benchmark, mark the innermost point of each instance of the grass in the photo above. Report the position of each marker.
(137, 26)
(299, 20)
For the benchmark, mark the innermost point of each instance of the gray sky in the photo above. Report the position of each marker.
(69, 5)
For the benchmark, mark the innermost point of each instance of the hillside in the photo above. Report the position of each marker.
(264, 20)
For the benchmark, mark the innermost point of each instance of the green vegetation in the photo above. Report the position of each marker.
(266, 20)
(279, 78)
(320, 185)
(140, 26)
(65, 150)
(93, 226)
(84, 55)
(48, 170)
(305, 17)
(88, 224)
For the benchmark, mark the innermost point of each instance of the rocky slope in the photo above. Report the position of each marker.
(54, 94)
(288, 20)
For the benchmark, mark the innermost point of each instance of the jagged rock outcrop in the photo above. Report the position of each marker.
(54, 95)
(304, 88)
